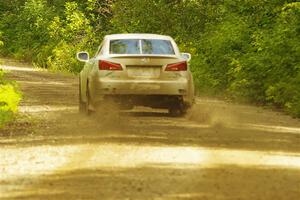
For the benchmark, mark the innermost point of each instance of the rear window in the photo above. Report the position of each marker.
(144, 46)
(124, 47)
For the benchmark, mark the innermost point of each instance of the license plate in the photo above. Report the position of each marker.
(143, 72)
(145, 87)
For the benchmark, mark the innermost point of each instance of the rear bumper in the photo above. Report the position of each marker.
(140, 87)
(143, 92)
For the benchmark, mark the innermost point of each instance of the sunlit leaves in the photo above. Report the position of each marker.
(9, 100)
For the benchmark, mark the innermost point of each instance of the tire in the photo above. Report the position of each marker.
(177, 110)
(88, 103)
(82, 105)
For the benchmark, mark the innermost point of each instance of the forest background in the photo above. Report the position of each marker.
(243, 50)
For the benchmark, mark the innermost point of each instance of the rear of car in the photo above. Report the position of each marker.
(139, 69)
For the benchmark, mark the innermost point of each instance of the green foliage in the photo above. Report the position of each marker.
(281, 50)
(49, 33)
(68, 33)
(1, 42)
(9, 100)
(247, 50)
(25, 29)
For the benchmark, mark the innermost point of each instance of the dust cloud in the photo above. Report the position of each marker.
(214, 114)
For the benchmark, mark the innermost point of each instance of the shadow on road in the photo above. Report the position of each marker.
(162, 182)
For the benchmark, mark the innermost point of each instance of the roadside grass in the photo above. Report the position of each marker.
(10, 97)
(19, 125)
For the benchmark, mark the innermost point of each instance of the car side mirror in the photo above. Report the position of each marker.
(186, 56)
(83, 56)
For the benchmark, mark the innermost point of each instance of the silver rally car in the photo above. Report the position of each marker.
(136, 70)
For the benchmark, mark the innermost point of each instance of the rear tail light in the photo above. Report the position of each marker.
(105, 65)
(181, 66)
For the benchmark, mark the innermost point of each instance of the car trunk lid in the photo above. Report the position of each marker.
(144, 67)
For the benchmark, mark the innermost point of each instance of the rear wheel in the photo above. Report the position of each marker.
(82, 105)
(176, 112)
(88, 104)
(177, 109)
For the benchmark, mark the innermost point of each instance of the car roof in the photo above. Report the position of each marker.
(137, 36)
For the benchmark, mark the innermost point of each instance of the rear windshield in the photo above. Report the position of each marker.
(144, 46)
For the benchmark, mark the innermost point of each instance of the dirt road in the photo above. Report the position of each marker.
(218, 151)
